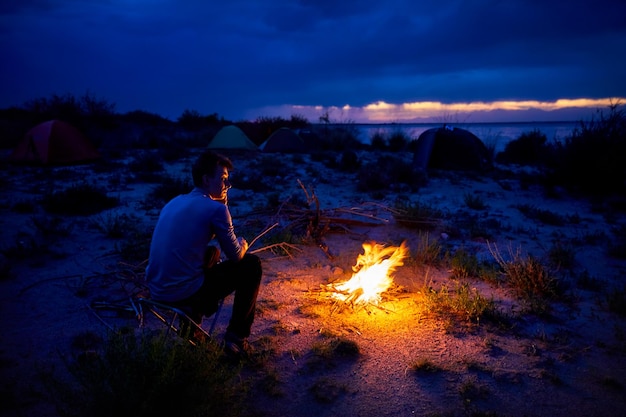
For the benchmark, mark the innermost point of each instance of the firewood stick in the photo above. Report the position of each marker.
(262, 233)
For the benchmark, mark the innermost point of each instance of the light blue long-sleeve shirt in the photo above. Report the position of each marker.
(185, 227)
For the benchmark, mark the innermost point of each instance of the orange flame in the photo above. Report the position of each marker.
(372, 274)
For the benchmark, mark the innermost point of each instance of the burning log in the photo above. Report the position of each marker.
(373, 274)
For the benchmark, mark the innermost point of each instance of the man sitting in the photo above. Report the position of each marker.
(177, 273)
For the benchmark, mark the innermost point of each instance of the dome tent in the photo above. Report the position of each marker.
(284, 140)
(231, 137)
(54, 142)
(450, 148)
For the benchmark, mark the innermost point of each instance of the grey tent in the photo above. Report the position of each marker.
(284, 140)
(450, 148)
(231, 137)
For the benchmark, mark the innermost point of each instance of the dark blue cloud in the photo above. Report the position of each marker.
(166, 56)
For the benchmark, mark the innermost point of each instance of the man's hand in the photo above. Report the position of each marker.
(244, 245)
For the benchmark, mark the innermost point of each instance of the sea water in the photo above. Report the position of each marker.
(495, 135)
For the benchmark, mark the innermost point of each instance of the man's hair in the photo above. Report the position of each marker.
(207, 164)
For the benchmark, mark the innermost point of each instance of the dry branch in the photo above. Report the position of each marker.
(315, 223)
(284, 246)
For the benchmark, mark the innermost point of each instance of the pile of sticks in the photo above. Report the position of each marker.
(314, 223)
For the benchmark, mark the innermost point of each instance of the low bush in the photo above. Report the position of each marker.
(616, 301)
(149, 375)
(387, 173)
(135, 245)
(425, 365)
(116, 225)
(378, 141)
(464, 264)
(24, 207)
(79, 199)
(528, 149)
(168, 188)
(336, 347)
(462, 302)
(544, 216)
(339, 137)
(148, 166)
(349, 161)
(417, 215)
(428, 251)
(25, 246)
(398, 141)
(474, 201)
(529, 279)
(562, 256)
(593, 159)
(52, 226)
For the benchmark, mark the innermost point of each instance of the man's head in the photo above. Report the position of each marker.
(210, 173)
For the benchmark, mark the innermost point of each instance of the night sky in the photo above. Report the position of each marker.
(368, 60)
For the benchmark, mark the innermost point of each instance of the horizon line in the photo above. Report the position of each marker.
(440, 112)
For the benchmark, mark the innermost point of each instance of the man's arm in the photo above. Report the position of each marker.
(234, 248)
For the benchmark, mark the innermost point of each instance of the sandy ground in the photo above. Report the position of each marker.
(570, 362)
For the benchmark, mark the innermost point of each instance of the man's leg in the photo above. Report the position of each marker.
(241, 277)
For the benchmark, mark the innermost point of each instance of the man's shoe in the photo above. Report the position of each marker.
(236, 347)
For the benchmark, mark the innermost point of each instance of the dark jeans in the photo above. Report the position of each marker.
(241, 277)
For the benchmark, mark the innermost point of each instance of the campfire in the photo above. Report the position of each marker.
(373, 274)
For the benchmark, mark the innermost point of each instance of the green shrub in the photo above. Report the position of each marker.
(5, 268)
(562, 256)
(617, 250)
(529, 278)
(464, 264)
(339, 137)
(116, 225)
(489, 272)
(593, 159)
(544, 216)
(425, 365)
(586, 281)
(25, 246)
(474, 201)
(79, 199)
(326, 390)
(428, 251)
(617, 245)
(387, 172)
(24, 207)
(349, 161)
(52, 226)
(616, 301)
(136, 244)
(398, 141)
(469, 224)
(168, 188)
(147, 166)
(417, 215)
(528, 149)
(461, 302)
(336, 347)
(150, 375)
(378, 141)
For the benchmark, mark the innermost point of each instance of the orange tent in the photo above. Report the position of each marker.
(54, 142)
